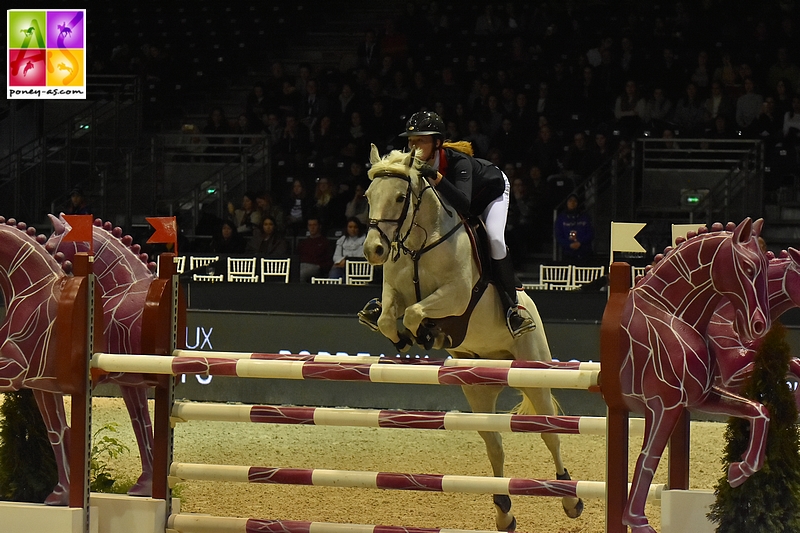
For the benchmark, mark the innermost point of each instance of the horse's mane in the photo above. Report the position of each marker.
(110, 234)
(395, 163)
(39, 240)
(465, 147)
(716, 228)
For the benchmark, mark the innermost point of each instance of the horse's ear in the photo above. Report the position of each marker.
(743, 232)
(58, 225)
(409, 160)
(374, 156)
(794, 254)
(757, 226)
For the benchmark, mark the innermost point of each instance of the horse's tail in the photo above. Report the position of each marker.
(525, 407)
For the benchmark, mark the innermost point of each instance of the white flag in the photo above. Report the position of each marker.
(623, 236)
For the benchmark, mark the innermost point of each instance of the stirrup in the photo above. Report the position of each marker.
(370, 314)
(519, 321)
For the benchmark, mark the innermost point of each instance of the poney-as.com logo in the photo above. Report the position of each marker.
(46, 54)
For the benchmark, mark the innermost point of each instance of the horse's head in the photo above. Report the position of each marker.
(790, 261)
(741, 275)
(391, 195)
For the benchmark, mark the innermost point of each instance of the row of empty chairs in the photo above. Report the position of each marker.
(246, 269)
(565, 277)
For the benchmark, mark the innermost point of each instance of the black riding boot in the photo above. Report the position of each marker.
(518, 319)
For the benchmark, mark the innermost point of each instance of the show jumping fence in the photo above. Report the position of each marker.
(168, 361)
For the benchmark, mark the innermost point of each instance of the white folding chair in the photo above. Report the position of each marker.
(180, 263)
(557, 287)
(582, 275)
(242, 269)
(196, 262)
(275, 267)
(326, 281)
(534, 286)
(358, 272)
(636, 271)
(555, 275)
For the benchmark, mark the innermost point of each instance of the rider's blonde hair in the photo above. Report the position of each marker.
(465, 147)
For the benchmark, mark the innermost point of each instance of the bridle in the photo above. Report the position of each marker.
(400, 240)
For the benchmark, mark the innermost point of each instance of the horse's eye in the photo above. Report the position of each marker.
(401, 199)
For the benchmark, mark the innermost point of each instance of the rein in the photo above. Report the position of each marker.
(416, 255)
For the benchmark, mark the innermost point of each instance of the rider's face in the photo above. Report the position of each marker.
(425, 143)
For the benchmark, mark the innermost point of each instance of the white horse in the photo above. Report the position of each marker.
(416, 237)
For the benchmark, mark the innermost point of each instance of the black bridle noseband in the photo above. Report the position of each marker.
(399, 240)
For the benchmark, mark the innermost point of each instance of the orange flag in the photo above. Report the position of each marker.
(80, 229)
(166, 230)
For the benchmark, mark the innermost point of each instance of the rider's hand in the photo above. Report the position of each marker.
(429, 173)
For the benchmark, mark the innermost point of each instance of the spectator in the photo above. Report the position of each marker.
(574, 233)
(325, 143)
(248, 218)
(579, 158)
(479, 141)
(348, 246)
(294, 147)
(783, 97)
(784, 69)
(545, 151)
(368, 51)
(256, 103)
(215, 131)
(728, 75)
(748, 106)
(312, 106)
(271, 126)
(323, 194)
(791, 121)
(347, 104)
(314, 252)
(689, 113)
(519, 224)
(718, 104)
(767, 126)
(358, 207)
(227, 240)
(657, 110)
(77, 204)
(297, 207)
(701, 76)
(267, 208)
(268, 242)
(629, 109)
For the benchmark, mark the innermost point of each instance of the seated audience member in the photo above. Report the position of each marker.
(358, 206)
(349, 246)
(791, 121)
(296, 207)
(267, 207)
(314, 252)
(248, 218)
(77, 204)
(227, 240)
(268, 242)
(574, 233)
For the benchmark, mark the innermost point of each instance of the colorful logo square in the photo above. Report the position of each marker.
(46, 54)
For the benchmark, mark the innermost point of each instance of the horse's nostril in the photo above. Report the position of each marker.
(379, 250)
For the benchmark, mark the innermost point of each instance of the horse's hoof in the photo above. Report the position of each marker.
(576, 511)
(738, 474)
(59, 497)
(143, 487)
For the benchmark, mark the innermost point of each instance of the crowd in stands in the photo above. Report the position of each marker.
(543, 90)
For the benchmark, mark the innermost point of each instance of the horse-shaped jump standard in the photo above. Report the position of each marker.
(123, 276)
(667, 365)
(429, 272)
(32, 282)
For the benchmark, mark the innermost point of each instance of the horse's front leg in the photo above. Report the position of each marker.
(391, 309)
(720, 401)
(447, 300)
(51, 407)
(483, 399)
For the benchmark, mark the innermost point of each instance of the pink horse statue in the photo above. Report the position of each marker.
(735, 355)
(666, 364)
(32, 281)
(124, 277)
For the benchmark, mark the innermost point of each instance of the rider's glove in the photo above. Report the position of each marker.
(428, 172)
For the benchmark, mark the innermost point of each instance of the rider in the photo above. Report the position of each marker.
(473, 187)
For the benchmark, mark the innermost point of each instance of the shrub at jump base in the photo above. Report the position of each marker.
(769, 501)
(28, 470)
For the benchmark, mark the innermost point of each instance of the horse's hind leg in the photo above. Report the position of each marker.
(483, 399)
(540, 401)
(51, 407)
(136, 402)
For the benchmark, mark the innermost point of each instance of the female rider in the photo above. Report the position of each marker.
(473, 187)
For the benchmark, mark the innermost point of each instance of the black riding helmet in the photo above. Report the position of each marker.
(424, 123)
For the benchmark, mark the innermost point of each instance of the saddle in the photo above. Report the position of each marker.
(455, 327)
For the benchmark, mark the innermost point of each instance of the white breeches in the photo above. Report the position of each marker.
(494, 217)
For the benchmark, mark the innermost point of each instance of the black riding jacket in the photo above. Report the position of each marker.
(469, 183)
